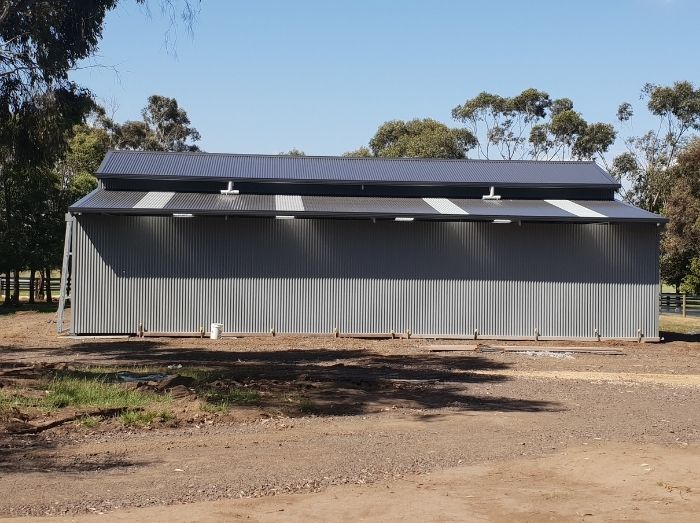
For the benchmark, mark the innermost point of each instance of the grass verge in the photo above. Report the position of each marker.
(677, 324)
(222, 400)
(64, 392)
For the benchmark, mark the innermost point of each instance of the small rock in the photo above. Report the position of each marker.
(180, 391)
(174, 380)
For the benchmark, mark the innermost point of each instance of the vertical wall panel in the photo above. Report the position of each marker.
(307, 276)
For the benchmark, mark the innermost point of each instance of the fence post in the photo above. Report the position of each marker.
(684, 305)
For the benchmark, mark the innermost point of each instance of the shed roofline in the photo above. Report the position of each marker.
(324, 181)
(347, 158)
(342, 170)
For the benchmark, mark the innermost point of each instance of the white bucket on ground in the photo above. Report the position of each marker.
(216, 330)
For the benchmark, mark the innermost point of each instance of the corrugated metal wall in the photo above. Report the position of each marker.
(311, 276)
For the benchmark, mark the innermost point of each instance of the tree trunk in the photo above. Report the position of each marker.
(15, 294)
(8, 297)
(32, 284)
(49, 299)
(41, 285)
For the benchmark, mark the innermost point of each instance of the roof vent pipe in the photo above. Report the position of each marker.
(230, 189)
(491, 195)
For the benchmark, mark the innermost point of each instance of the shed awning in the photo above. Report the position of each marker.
(103, 201)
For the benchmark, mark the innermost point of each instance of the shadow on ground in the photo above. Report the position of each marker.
(7, 309)
(669, 336)
(21, 454)
(288, 382)
(329, 381)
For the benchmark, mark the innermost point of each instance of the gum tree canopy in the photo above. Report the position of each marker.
(648, 163)
(532, 125)
(417, 138)
(41, 41)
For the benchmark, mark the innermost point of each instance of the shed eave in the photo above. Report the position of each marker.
(362, 215)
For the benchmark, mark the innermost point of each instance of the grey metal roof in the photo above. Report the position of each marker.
(161, 203)
(342, 170)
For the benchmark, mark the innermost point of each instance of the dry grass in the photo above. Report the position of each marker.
(680, 325)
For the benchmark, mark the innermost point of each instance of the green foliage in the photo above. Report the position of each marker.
(41, 41)
(532, 125)
(594, 141)
(224, 398)
(674, 267)
(681, 238)
(567, 126)
(293, 152)
(647, 166)
(691, 281)
(417, 138)
(165, 127)
(362, 152)
(32, 196)
(680, 102)
(625, 112)
(86, 149)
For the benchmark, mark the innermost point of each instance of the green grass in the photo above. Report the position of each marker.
(143, 408)
(77, 392)
(89, 422)
(100, 387)
(222, 400)
(307, 406)
(5, 401)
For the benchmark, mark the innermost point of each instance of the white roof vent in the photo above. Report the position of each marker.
(491, 195)
(230, 189)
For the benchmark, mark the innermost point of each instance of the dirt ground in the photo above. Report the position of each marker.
(397, 432)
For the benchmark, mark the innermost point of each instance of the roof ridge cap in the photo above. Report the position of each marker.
(347, 158)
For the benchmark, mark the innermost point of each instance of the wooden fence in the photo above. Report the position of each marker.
(24, 285)
(684, 304)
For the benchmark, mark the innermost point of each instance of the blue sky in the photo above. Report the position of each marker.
(321, 76)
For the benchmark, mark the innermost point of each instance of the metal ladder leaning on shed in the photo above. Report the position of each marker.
(65, 276)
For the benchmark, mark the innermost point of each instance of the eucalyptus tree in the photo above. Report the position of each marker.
(647, 164)
(419, 138)
(531, 125)
(361, 152)
(680, 261)
(165, 126)
(41, 41)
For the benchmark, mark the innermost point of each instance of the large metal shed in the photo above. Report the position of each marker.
(171, 242)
